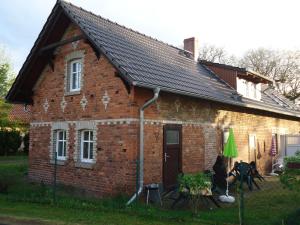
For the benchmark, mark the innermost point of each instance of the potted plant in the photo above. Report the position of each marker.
(195, 185)
(291, 174)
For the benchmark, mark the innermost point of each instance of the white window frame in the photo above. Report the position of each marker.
(64, 142)
(252, 137)
(249, 89)
(89, 141)
(78, 74)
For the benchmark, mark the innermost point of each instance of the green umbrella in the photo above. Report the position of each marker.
(230, 149)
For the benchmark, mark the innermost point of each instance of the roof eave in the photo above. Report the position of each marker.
(241, 104)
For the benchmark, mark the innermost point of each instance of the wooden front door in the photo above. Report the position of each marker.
(171, 155)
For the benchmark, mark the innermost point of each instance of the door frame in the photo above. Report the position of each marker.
(175, 127)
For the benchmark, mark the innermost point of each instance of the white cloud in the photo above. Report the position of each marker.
(234, 24)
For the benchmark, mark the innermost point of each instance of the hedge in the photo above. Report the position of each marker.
(10, 141)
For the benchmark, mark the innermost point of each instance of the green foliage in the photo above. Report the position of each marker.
(4, 82)
(290, 177)
(292, 159)
(6, 75)
(10, 141)
(4, 112)
(195, 183)
(5, 121)
(26, 143)
(268, 206)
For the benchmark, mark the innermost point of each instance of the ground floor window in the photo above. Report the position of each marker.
(61, 144)
(87, 146)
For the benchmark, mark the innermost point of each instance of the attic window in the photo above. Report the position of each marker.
(74, 72)
(75, 68)
(249, 89)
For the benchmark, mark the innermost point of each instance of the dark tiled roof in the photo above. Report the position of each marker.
(146, 62)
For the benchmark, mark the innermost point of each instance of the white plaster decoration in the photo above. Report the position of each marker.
(194, 109)
(177, 104)
(46, 105)
(105, 100)
(75, 44)
(63, 104)
(83, 102)
(127, 121)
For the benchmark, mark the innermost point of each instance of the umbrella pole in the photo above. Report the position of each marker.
(227, 188)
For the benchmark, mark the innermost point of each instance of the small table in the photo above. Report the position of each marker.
(153, 187)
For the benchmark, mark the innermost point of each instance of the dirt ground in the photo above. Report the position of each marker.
(4, 220)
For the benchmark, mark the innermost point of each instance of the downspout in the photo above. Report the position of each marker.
(140, 177)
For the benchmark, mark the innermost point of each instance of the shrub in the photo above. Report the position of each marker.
(195, 185)
(26, 143)
(10, 141)
(290, 177)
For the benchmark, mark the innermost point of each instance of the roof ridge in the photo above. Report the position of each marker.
(123, 26)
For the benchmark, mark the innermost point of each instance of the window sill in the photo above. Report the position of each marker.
(85, 165)
(58, 162)
(70, 93)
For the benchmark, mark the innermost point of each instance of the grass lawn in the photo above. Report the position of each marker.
(26, 203)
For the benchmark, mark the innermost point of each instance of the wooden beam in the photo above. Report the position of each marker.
(97, 53)
(60, 43)
(126, 84)
(51, 62)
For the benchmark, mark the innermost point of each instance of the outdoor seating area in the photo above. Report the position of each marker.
(210, 189)
(208, 196)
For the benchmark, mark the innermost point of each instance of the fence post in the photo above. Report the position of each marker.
(137, 180)
(54, 177)
(241, 205)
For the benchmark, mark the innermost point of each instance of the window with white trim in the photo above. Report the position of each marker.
(75, 69)
(249, 89)
(87, 146)
(60, 144)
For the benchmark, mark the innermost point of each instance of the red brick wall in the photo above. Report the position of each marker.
(202, 123)
(114, 171)
(205, 136)
(19, 113)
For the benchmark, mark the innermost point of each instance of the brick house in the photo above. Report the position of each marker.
(20, 113)
(87, 80)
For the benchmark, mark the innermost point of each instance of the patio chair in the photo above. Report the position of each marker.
(254, 171)
(245, 169)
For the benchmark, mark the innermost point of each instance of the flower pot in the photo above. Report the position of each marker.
(293, 165)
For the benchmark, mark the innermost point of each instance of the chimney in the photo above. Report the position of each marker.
(191, 45)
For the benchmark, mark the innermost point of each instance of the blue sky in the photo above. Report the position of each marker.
(236, 25)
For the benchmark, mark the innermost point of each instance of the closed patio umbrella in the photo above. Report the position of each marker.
(273, 152)
(230, 151)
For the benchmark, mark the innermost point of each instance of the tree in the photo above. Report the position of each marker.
(216, 54)
(282, 66)
(6, 79)
(6, 74)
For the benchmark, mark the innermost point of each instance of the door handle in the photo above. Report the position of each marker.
(166, 156)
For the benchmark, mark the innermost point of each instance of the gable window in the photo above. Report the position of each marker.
(87, 146)
(61, 144)
(75, 69)
(74, 72)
